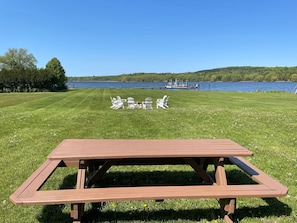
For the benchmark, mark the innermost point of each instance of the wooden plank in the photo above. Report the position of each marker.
(148, 193)
(75, 149)
(258, 175)
(35, 181)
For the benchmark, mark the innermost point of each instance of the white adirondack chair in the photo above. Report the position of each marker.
(117, 103)
(131, 103)
(113, 102)
(162, 102)
(148, 103)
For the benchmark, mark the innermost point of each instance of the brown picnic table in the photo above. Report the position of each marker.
(94, 157)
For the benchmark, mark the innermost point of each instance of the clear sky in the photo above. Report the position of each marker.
(113, 37)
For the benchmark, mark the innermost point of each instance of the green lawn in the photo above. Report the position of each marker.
(33, 124)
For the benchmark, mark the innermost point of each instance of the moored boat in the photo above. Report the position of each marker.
(177, 85)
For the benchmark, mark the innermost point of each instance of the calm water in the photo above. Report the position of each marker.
(204, 86)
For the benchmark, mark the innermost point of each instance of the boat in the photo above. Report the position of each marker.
(177, 85)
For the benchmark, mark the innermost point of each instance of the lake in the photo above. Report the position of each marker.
(204, 86)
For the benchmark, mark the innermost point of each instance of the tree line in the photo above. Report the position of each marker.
(227, 74)
(18, 73)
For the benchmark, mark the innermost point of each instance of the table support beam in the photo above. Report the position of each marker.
(199, 170)
(100, 172)
(228, 207)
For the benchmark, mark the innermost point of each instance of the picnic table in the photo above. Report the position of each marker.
(94, 157)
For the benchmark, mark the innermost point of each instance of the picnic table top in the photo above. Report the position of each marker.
(75, 149)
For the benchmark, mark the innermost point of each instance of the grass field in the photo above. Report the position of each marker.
(33, 124)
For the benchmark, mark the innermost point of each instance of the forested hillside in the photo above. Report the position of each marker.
(245, 73)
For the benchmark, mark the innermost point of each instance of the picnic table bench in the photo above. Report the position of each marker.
(94, 157)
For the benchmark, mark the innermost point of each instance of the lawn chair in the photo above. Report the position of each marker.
(117, 103)
(148, 103)
(113, 102)
(162, 102)
(131, 103)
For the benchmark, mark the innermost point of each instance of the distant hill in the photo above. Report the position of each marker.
(240, 73)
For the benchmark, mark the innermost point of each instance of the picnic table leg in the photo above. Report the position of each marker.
(77, 210)
(228, 206)
(220, 173)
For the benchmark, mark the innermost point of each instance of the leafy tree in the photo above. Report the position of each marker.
(58, 74)
(18, 73)
(17, 59)
(294, 77)
(227, 77)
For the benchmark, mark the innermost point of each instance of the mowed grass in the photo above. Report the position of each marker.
(33, 124)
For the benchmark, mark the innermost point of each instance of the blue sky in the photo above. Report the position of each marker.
(112, 37)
